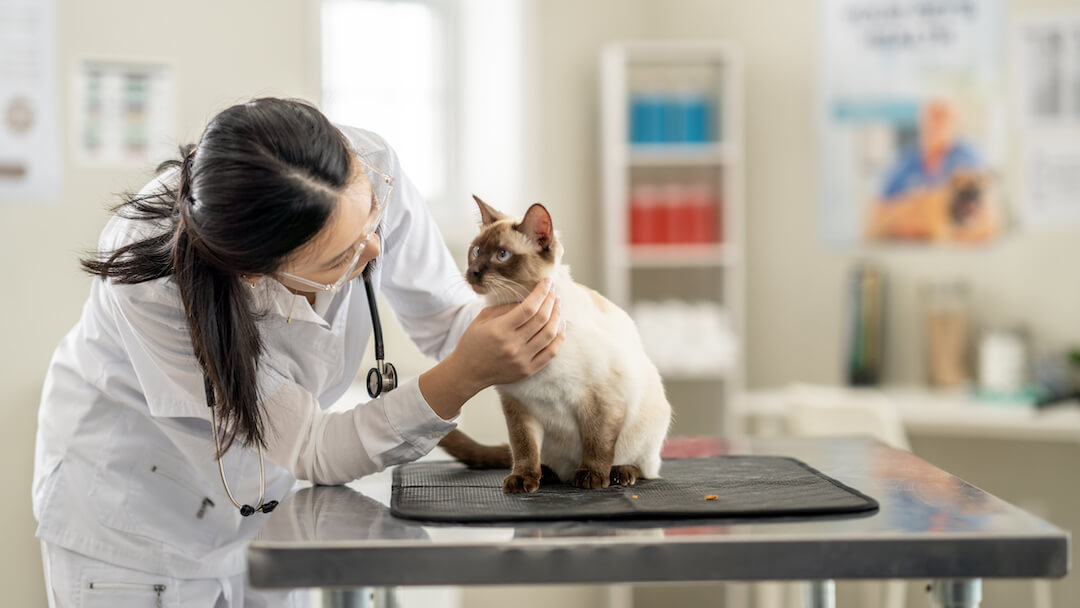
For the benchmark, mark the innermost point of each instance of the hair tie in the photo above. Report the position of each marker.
(186, 169)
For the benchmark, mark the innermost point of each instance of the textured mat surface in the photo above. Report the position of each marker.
(744, 486)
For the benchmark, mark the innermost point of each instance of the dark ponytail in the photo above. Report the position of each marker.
(263, 181)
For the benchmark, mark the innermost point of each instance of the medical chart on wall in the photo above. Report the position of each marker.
(30, 170)
(123, 113)
(1046, 62)
(911, 121)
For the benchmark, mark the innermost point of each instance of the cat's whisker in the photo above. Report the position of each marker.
(493, 285)
(496, 283)
(511, 295)
(516, 290)
(519, 290)
(504, 295)
(507, 295)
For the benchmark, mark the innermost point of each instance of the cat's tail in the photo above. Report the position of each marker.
(476, 455)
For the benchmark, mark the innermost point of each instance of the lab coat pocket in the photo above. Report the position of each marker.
(109, 594)
(165, 499)
(116, 587)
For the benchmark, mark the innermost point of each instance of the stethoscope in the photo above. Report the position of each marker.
(380, 379)
(383, 377)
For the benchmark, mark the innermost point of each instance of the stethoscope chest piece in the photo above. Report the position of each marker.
(381, 378)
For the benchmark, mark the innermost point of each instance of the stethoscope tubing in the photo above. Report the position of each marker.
(376, 325)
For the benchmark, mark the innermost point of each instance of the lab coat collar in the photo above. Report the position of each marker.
(278, 300)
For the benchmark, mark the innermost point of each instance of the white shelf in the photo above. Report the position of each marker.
(926, 412)
(681, 256)
(681, 155)
(715, 68)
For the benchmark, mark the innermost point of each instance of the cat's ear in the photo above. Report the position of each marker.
(488, 214)
(537, 226)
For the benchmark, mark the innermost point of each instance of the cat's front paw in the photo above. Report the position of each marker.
(625, 474)
(584, 478)
(516, 483)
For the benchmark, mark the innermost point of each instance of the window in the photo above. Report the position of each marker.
(441, 80)
(385, 67)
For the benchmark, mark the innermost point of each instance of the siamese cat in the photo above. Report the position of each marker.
(597, 413)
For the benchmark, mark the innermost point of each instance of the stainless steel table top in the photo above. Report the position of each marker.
(930, 525)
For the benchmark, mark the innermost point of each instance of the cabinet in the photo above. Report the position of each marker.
(673, 248)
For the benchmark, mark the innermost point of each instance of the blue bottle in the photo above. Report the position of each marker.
(676, 118)
(696, 109)
(646, 118)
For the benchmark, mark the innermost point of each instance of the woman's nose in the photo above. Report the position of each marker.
(371, 251)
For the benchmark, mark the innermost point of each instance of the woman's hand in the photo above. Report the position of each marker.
(513, 341)
(503, 344)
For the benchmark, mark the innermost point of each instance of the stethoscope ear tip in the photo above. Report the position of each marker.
(266, 507)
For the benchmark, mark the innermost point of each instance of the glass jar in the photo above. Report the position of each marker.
(947, 318)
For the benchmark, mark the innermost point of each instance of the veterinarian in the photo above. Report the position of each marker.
(226, 313)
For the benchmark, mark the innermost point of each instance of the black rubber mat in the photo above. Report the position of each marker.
(743, 486)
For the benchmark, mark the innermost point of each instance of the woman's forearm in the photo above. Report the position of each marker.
(448, 385)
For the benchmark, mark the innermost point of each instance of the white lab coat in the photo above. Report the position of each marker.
(124, 468)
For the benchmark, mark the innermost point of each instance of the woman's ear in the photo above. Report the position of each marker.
(537, 226)
(488, 214)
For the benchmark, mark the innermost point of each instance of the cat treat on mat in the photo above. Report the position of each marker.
(596, 414)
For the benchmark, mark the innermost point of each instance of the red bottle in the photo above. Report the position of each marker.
(702, 210)
(644, 209)
(677, 214)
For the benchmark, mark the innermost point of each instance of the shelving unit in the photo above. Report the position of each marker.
(645, 86)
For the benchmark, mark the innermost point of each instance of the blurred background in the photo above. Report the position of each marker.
(811, 208)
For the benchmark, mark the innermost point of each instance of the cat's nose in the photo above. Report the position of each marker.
(476, 273)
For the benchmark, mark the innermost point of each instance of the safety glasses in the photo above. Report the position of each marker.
(372, 225)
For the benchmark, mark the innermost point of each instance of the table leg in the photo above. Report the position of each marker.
(956, 593)
(362, 597)
(821, 594)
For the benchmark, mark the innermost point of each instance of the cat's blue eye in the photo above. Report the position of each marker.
(502, 255)
(475, 251)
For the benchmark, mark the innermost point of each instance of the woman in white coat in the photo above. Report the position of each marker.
(227, 316)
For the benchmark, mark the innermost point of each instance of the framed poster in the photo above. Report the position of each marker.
(123, 113)
(1046, 64)
(30, 170)
(911, 121)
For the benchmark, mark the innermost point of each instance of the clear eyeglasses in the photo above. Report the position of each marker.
(361, 244)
